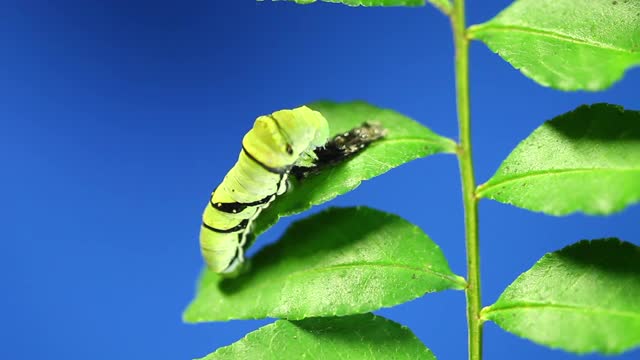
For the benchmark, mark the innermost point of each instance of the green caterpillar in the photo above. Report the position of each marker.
(283, 143)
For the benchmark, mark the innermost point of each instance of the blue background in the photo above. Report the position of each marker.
(118, 118)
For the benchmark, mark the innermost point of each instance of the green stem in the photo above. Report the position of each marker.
(474, 303)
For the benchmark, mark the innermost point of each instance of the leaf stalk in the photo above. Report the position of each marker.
(465, 160)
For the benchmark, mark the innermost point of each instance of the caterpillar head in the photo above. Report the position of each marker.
(278, 140)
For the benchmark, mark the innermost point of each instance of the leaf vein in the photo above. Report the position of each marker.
(439, 142)
(568, 307)
(549, 34)
(382, 265)
(488, 185)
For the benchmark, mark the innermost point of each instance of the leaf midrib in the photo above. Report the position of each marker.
(568, 307)
(361, 3)
(546, 33)
(446, 143)
(443, 276)
(303, 272)
(517, 177)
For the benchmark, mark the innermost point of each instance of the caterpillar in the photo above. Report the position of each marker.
(286, 142)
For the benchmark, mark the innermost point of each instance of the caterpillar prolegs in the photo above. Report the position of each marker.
(283, 143)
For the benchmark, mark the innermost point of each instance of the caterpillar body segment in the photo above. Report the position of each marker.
(274, 145)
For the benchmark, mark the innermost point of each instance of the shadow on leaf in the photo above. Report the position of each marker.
(310, 244)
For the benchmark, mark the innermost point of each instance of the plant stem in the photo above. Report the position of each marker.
(465, 159)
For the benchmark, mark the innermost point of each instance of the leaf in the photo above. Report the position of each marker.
(342, 261)
(587, 160)
(353, 337)
(443, 5)
(368, 2)
(406, 140)
(567, 44)
(583, 298)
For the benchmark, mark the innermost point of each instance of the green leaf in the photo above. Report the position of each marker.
(406, 140)
(443, 5)
(567, 44)
(352, 337)
(369, 2)
(583, 298)
(587, 160)
(342, 261)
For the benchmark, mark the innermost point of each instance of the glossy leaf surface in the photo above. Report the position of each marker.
(587, 160)
(342, 261)
(567, 44)
(583, 298)
(365, 337)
